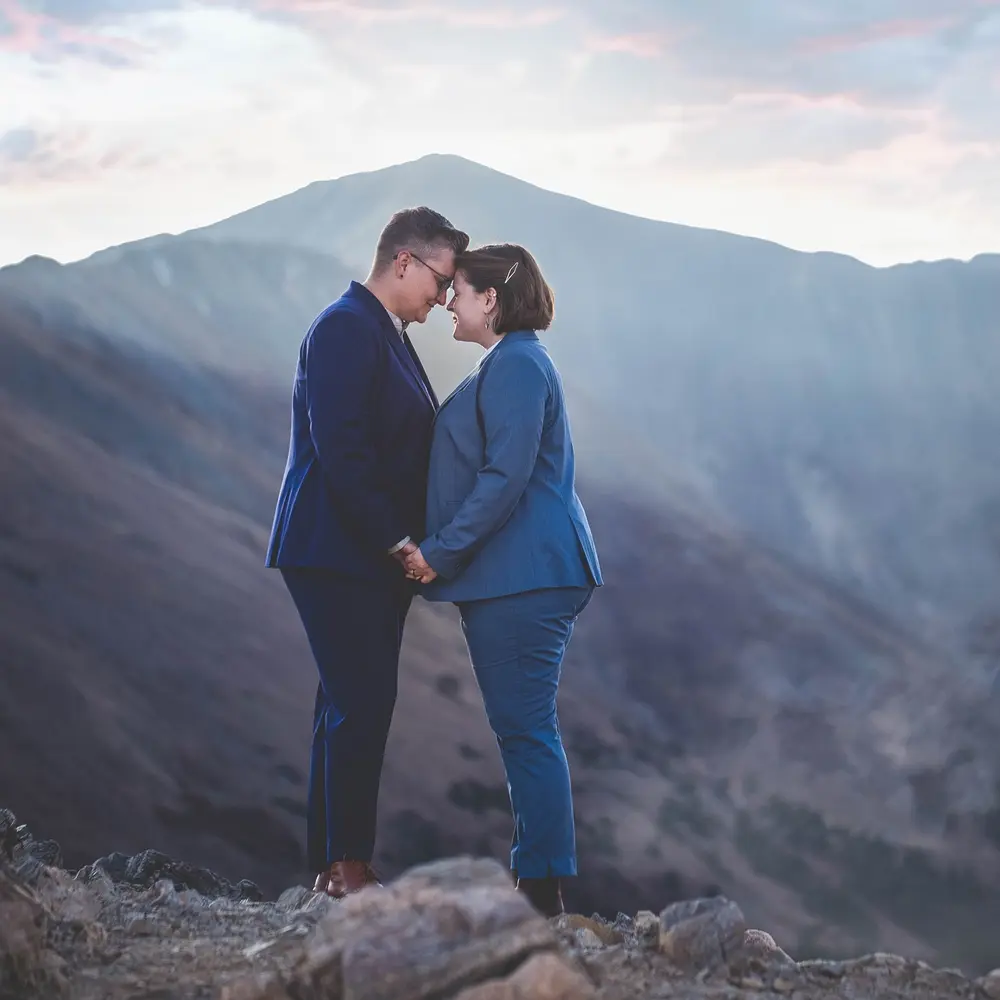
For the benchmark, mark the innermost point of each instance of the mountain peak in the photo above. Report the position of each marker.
(34, 262)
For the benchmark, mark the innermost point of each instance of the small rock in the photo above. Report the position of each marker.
(8, 833)
(990, 984)
(114, 864)
(760, 945)
(885, 960)
(587, 939)
(647, 928)
(66, 897)
(162, 893)
(97, 881)
(784, 985)
(248, 891)
(259, 987)
(824, 967)
(548, 977)
(257, 948)
(702, 934)
(495, 989)
(319, 902)
(542, 977)
(140, 926)
(149, 867)
(294, 898)
(47, 852)
(605, 933)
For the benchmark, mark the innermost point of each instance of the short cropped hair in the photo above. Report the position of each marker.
(524, 299)
(421, 230)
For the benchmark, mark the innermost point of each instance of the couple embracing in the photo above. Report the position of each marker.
(387, 494)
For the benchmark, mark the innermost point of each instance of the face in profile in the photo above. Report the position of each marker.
(426, 282)
(469, 310)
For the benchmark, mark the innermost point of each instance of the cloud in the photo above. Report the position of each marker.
(767, 128)
(860, 36)
(644, 45)
(468, 14)
(48, 37)
(894, 66)
(18, 144)
(29, 157)
(865, 46)
(88, 11)
(475, 13)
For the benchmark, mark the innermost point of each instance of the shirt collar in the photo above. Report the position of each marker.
(397, 323)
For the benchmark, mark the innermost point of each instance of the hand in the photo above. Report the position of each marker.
(417, 568)
(400, 554)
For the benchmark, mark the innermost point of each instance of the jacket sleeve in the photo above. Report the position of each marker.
(513, 398)
(342, 359)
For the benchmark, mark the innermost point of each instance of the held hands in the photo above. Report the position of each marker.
(417, 567)
(413, 563)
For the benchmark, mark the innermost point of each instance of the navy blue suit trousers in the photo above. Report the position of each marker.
(355, 628)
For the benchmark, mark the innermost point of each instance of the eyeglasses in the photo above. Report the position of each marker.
(443, 281)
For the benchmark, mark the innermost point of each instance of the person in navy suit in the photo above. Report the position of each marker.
(508, 542)
(351, 504)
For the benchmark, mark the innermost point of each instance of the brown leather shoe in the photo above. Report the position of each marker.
(344, 877)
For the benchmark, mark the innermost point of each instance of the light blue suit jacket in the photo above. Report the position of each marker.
(503, 516)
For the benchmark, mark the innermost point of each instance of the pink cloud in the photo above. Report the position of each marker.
(46, 37)
(880, 31)
(26, 35)
(67, 156)
(645, 46)
(368, 13)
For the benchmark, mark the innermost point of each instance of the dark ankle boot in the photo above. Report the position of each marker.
(544, 894)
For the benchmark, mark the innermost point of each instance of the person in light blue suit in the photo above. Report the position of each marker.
(508, 542)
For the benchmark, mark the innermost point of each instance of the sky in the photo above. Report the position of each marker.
(868, 127)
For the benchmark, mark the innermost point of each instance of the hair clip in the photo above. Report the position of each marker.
(510, 273)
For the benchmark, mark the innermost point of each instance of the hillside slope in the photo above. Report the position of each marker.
(732, 720)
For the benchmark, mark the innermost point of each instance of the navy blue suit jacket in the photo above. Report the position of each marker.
(503, 516)
(356, 478)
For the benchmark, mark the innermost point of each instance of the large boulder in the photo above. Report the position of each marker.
(437, 930)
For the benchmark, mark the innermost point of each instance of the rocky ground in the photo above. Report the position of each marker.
(149, 927)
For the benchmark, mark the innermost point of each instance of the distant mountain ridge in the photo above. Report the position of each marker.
(843, 414)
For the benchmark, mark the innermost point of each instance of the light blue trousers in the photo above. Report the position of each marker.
(517, 644)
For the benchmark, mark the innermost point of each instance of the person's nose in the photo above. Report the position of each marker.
(442, 296)
(451, 303)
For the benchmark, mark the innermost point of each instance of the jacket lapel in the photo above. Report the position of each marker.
(418, 365)
(408, 360)
(454, 392)
(474, 374)
(471, 377)
(405, 353)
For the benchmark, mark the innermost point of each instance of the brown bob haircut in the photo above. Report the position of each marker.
(524, 299)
